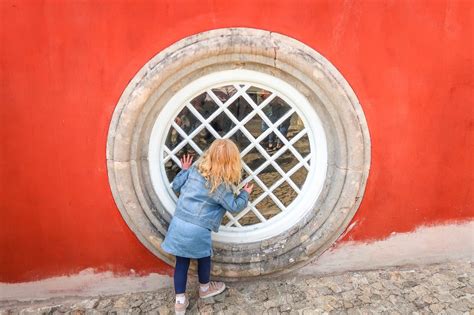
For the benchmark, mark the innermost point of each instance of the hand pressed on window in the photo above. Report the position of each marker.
(186, 161)
(248, 188)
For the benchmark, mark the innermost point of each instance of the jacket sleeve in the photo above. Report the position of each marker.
(179, 180)
(232, 203)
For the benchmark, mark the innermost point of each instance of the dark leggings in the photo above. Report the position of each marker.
(181, 272)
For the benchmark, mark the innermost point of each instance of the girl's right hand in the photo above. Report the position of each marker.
(248, 188)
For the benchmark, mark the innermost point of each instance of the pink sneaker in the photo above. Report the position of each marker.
(180, 309)
(214, 289)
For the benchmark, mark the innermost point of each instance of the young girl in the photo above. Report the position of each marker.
(206, 193)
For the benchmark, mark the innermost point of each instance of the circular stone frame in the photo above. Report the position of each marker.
(345, 127)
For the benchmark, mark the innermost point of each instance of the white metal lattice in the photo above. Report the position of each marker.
(270, 160)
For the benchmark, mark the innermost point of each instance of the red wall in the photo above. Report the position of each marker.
(64, 65)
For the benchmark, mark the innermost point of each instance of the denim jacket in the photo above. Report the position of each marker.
(196, 204)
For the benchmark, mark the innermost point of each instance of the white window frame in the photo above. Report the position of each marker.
(313, 185)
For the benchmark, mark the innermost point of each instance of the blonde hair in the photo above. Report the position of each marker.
(220, 163)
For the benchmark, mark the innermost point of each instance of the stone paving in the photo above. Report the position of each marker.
(434, 289)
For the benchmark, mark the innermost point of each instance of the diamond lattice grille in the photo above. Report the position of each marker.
(271, 136)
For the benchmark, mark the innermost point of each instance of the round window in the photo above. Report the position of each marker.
(301, 131)
(281, 138)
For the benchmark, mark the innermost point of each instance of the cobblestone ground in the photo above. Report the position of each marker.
(439, 289)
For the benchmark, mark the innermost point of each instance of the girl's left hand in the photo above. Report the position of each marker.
(186, 161)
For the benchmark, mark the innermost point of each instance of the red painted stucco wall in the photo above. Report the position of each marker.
(64, 65)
